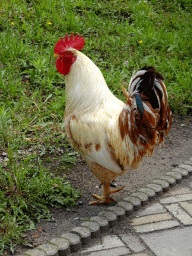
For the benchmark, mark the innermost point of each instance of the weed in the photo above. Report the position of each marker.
(26, 190)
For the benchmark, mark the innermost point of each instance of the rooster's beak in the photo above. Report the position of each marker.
(56, 55)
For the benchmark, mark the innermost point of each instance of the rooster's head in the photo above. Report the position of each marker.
(65, 57)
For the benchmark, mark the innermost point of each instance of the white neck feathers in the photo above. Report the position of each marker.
(86, 89)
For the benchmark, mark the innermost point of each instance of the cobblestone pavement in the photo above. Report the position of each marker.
(156, 220)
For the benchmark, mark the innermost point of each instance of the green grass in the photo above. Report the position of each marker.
(121, 37)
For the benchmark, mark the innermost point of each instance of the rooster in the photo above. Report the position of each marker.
(112, 136)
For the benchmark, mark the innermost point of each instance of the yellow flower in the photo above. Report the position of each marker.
(49, 23)
(12, 23)
(149, 14)
(9, 20)
(140, 42)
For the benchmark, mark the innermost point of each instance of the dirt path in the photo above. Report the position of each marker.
(178, 148)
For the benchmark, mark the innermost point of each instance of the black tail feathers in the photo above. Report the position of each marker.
(146, 83)
(157, 74)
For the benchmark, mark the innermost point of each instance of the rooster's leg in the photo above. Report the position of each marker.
(106, 198)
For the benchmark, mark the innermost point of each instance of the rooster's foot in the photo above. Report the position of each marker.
(106, 198)
(102, 200)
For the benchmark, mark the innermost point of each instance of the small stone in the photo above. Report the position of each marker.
(74, 240)
(126, 63)
(127, 206)
(135, 202)
(76, 218)
(113, 184)
(84, 233)
(174, 165)
(49, 249)
(102, 221)
(80, 203)
(175, 175)
(4, 154)
(119, 211)
(111, 217)
(94, 228)
(164, 184)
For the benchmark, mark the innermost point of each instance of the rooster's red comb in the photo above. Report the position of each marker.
(76, 43)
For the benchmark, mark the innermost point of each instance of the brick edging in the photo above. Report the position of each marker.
(82, 235)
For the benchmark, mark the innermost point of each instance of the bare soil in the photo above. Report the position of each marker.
(178, 148)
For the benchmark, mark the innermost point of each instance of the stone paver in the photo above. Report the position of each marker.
(178, 191)
(128, 207)
(110, 216)
(93, 227)
(187, 167)
(84, 233)
(62, 245)
(159, 228)
(107, 242)
(142, 197)
(176, 242)
(182, 171)
(151, 219)
(141, 254)
(187, 207)
(157, 188)
(164, 184)
(49, 249)
(121, 251)
(134, 201)
(156, 226)
(102, 221)
(133, 242)
(169, 179)
(179, 213)
(175, 175)
(149, 192)
(118, 210)
(35, 252)
(74, 241)
(175, 199)
(153, 209)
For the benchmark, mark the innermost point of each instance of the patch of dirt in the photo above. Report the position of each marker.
(178, 148)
